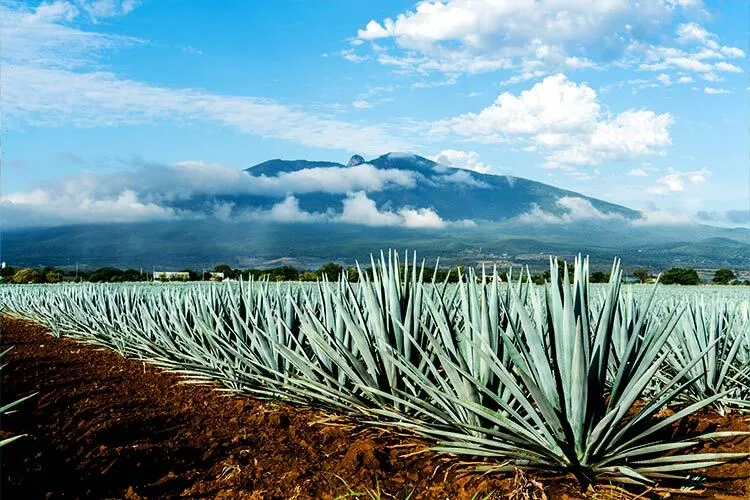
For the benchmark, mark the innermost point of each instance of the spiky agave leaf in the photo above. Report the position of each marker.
(569, 416)
(714, 328)
(545, 378)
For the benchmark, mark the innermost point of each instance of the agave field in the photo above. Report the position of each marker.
(569, 377)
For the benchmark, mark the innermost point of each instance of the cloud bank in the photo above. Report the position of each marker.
(149, 193)
(575, 209)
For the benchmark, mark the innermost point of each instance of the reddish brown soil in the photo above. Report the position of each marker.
(105, 427)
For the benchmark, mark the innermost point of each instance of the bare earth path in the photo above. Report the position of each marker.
(105, 427)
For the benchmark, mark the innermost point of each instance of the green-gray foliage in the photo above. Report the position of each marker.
(536, 376)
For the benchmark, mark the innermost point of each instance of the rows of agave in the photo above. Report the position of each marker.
(566, 377)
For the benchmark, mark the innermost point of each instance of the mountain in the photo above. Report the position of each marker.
(405, 201)
(454, 193)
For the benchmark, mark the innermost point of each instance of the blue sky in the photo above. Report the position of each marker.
(639, 103)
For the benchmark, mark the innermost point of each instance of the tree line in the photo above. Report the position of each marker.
(331, 270)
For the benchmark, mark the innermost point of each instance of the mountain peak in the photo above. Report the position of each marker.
(355, 160)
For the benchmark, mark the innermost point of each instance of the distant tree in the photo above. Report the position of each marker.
(7, 273)
(132, 275)
(283, 273)
(52, 277)
(599, 277)
(309, 276)
(331, 270)
(192, 275)
(224, 268)
(723, 276)
(539, 279)
(642, 274)
(352, 275)
(106, 275)
(255, 274)
(27, 275)
(680, 276)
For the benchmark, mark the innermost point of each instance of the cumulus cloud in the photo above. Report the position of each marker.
(664, 79)
(360, 209)
(675, 181)
(565, 120)
(468, 160)
(715, 91)
(533, 37)
(289, 211)
(698, 51)
(574, 209)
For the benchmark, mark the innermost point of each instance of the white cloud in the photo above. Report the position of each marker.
(160, 184)
(51, 76)
(473, 36)
(463, 177)
(685, 79)
(727, 67)
(289, 211)
(664, 79)
(574, 209)
(54, 12)
(148, 192)
(638, 172)
(676, 181)
(715, 91)
(565, 120)
(468, 160)
(359, 209)
(693, 32)
(57, 97)
(434, 84)
(352, 56)
(361, 104)
(662, 218)
(101, 9)
(704, 48)
(41, 208)
(37, 38)
(732, 52)
(64, 11)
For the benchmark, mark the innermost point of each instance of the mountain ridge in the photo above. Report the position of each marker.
(517, 220)
(455, 193)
